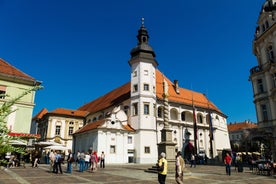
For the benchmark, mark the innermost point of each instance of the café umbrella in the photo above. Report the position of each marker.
(56, 147)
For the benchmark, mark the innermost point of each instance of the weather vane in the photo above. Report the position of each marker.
(143, 21)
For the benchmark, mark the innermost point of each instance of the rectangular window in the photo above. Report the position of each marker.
(135, 88)
(146, 109)
(146, 72)
(147, 149)
(260, 86)
(57, 130)
(2, 92)
(274, 79)
(134, 73)
(146, 87)
(71, 130)
(135, 109)
(264, 112)
(129, 140)
(112, 149)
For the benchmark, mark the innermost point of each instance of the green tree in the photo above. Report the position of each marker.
(5, 139)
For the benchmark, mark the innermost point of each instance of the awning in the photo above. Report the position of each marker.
(24, 135)
(18, 143)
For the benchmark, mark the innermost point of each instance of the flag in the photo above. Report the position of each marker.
(211, 127)
(195, 125)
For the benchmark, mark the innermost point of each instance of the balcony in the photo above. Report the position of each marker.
(255, 69)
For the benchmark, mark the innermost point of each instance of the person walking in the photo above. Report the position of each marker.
(70, 160)
(102, 164)
(227, 162)
(81, 161)
(193, 161)
(179, 168)
(163, 165)
(57, 165)
(52, 158)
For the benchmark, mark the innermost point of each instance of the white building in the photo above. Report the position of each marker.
(126, 123)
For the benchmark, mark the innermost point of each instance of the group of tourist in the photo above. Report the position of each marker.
(83, 161)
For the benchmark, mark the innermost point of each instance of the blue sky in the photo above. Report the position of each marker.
(80, 49)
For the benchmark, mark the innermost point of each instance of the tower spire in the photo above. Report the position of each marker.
(143, 22)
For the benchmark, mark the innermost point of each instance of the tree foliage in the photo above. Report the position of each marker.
(5, 139)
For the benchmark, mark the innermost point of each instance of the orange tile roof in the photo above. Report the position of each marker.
(40, 114)
(240, 126)
(97, 124)
(114, 97)
(69, 112)
(122, 93)
(9, 70)
(185, 96)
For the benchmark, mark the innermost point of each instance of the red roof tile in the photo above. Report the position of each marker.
(185, 96)
(97, 124)
(9, 70)
(240, 126)
(69, 112)
(90, 126)
(40, 114)
(122, 93)
(112, 98)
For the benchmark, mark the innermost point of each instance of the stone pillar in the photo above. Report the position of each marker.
(167, 145)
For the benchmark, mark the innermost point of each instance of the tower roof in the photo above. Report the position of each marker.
(269, 5)
(143, 45)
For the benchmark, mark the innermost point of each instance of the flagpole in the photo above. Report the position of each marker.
(210, 131)
(195, 124)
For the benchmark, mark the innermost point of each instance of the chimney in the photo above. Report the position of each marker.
(176, 87)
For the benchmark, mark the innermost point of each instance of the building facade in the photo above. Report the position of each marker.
(126, 123)
(58, 125)
(263, 76)
(14, 83)
(240, 134)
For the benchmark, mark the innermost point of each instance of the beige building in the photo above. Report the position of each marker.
(263, 76)
(59, 125)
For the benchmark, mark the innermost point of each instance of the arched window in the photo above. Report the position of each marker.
(94, 119)
(199, 118)
(160, 112)
(174, 114)
(183, 116)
